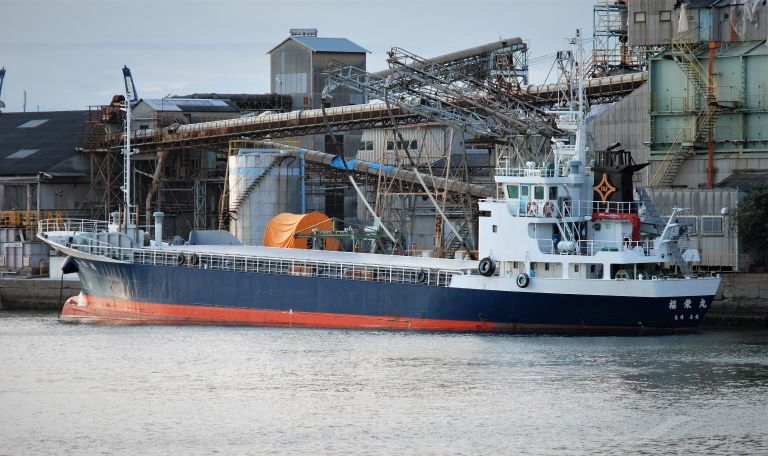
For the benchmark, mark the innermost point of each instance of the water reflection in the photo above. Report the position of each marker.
(78, 389)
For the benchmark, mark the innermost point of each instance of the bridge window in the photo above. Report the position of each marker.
(553, 193)
(525, 191)
(538, 192)
(512, 191)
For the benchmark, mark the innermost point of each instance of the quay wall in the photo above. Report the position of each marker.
(36, 294)
(741, 301)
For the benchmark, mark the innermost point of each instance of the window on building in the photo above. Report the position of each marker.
(512, 191)
(495, 228)
(664, 16)
(538, 192)
(639, 17)
(414, 144)
(366, 145)
(689, 223)
(402, 145)
(546, 266)
(711, 225)
(575, 268)
(553, 193)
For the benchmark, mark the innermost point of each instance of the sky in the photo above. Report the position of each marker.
(68, 54)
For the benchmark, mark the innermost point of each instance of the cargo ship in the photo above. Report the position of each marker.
(564, 246)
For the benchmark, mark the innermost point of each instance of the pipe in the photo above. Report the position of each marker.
(463, 54)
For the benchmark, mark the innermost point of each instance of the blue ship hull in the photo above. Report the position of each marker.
(135, 293)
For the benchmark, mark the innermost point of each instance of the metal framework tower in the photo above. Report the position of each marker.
(610, 54)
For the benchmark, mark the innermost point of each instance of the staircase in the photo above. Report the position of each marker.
(684, 52)
(454, 243)
(670, 166)
(652, 214)
(253, 185)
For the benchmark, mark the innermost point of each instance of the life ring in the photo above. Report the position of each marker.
(548, 209)
(421, 277)
(193, 260)
(621, 274)
(523, 280)
(531, 208)
(180, 259)
(486, 267)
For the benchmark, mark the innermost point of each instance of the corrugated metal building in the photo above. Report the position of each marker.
(151, 113)
(626, 122)
(297, 66)
(659, 22)
(711, 222)
(741, 126)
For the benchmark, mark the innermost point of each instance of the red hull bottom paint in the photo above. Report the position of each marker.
(85, 308)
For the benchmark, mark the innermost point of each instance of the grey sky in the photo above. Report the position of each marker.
(67, 54)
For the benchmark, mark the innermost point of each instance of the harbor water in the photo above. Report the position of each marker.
(88, 389)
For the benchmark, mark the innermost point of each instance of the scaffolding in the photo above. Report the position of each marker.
(610, 53)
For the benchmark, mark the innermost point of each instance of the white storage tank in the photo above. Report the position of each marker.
(263, 183)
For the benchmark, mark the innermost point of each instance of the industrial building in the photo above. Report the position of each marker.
(678, 83)
(702, 117)
(43, 174)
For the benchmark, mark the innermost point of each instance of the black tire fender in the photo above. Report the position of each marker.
(421, 277)
(523, 280)
(486, 267)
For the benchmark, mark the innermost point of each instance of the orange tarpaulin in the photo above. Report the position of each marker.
(282, 230)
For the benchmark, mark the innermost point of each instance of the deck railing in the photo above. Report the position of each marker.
(85, 241)
(71, 225)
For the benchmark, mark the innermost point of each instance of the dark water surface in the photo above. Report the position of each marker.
(83, 389)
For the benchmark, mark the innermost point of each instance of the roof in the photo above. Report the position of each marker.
(745, 179)
(715, 3)
(315, 44)
(31, 142)
(190, 104)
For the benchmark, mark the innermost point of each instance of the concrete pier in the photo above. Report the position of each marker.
(741, 301)
(36, 294)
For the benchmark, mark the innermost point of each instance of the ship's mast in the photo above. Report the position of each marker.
(130, 97)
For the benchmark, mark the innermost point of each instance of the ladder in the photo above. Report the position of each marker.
(652, 213)
(246, 193)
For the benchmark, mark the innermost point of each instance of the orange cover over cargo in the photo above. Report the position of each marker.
(283, 228)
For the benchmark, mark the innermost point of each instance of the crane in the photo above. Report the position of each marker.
(130, 88)
(2, 76)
